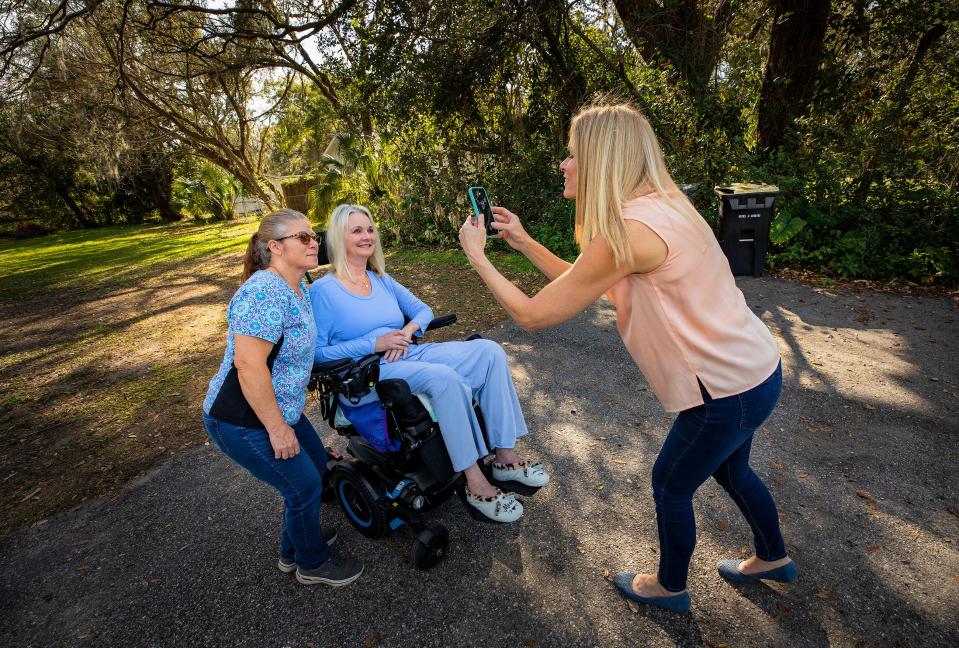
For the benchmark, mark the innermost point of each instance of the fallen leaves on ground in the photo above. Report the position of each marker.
(872, 548)
(870, 502)
(31, 494)
(607, 574)
(581, 549)
(802, 474)
(953, 510)
(722, 526)
(824, 594)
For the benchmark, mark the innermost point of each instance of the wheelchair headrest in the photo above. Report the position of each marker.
(321, 256)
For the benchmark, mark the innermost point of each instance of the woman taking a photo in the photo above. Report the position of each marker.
(684, 322)
(254, 406)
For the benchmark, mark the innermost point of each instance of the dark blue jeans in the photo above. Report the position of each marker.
(299, 480)
(713, 439)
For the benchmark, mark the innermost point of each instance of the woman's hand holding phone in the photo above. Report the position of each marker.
(473, 237)
(510, 228)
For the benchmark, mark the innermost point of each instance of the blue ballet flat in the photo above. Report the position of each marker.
(677, 603)
(729, 569)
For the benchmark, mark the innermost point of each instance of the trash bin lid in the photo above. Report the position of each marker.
(745, 188)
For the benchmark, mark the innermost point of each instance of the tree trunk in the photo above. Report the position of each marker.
(681, 33)
(795, 48)
(83, 217)
(890, 118)
(158, 185)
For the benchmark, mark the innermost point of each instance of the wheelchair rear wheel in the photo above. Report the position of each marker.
(359, 502)
(430, 546)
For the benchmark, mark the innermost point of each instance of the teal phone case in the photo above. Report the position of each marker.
(477, 211)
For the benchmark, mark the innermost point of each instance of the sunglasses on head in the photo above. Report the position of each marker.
(302, 237)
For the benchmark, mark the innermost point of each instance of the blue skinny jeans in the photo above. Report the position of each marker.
(713, 439)
(299, 480)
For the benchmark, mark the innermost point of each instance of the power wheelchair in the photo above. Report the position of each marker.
(381, 491)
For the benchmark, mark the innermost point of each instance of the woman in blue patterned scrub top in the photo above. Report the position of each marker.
(253, 409)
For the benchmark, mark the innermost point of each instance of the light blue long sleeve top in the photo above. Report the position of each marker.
(348, 324)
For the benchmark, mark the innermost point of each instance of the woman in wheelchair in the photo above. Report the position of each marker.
(359, 309)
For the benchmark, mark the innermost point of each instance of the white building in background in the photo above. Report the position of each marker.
(249, 206)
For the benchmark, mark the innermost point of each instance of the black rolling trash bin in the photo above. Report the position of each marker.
(745, 212)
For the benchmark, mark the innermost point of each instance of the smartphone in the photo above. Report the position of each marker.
(481, 205)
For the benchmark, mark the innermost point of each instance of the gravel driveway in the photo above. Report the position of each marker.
(861, 456)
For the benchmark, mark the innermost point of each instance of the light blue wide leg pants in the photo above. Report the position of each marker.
(452, 374)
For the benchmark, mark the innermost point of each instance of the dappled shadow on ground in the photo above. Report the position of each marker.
(186, 557)
(100, 383)
(864, 470)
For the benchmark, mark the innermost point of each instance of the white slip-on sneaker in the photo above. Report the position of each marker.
(524, 472)
(502, 507)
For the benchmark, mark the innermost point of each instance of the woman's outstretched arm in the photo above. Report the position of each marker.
(515, 234)
(593, 273)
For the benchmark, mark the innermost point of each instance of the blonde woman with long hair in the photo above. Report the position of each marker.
(704, 353)
(360, 309)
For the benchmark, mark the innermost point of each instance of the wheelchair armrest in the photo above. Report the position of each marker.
(440, 322)
(331, 366)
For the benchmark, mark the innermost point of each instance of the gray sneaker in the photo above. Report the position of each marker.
(335, 572)
(289, 566)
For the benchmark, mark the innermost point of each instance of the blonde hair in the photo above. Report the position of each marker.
(618, 158)
(272, 227)
(336, 241)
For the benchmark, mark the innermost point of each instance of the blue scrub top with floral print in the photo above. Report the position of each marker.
(266, 307)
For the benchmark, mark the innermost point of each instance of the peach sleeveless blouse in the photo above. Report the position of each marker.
(687, 319)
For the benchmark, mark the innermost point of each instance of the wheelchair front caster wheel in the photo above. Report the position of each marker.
(430, 546)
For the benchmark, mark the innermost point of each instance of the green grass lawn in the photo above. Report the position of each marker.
(110, 255)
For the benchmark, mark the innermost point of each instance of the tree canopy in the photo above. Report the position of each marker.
(850, 106)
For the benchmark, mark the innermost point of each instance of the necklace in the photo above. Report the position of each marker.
(364, 284)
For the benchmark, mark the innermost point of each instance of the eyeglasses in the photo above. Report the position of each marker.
(302, 237)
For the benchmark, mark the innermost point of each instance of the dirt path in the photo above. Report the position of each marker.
(861, 456)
